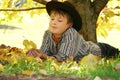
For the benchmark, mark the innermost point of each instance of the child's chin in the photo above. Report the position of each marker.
(53, 31)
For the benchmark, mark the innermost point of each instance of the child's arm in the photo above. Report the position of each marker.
(43, 51)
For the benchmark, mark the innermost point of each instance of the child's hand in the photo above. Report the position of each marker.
(36, 53)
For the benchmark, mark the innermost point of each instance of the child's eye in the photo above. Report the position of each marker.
(52, 18)
(59, 20)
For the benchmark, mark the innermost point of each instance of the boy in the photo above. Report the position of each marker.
(62, 39)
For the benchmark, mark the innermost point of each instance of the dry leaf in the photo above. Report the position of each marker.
(117, 67)
(1, 67)
(97, 78)
(89, 60)
(28, 45)
(56, 66)
(43, 72)
(38, 59)
(28, 72)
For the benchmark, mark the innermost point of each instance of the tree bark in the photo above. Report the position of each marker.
(89, 11)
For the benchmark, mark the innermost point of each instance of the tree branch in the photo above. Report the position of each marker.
(27, 9)
(41, 1)
(99, 5)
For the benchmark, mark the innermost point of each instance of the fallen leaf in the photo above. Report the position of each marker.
(97, 78)
(56, 66)
(117, 67)
(43, 72)
(1, 67)
(89, 60)
(28, 72)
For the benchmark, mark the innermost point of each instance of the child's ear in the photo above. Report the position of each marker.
(71, 24)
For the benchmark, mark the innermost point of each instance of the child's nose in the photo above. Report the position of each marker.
(54, 22)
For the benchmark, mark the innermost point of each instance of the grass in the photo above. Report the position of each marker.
(106, 71)
(22, 65)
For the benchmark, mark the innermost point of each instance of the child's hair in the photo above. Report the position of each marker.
(60, 12)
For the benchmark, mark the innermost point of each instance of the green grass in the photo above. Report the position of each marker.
(106, 70)
(102, 70)
(21, 65)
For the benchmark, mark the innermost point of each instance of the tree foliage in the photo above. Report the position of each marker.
(15, 9)
(109, 18)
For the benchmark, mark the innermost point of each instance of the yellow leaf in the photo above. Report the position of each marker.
(1, 67)
(56, 66)
(29, 58)
(43, 72)
(89, 60)
(32, 44)
(102, 31)
(10, 3)
(32, 13)
(14, 60)
(28, 72)
(25, 43)
(29, 44)
(38, 59)
(109, 26)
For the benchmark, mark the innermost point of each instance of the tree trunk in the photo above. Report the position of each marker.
(89, 11)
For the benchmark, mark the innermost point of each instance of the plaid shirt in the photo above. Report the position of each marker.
(71, 43)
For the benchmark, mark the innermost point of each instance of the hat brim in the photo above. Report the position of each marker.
(67, 7)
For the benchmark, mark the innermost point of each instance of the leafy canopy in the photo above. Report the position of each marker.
(109, 18)
(15, 9)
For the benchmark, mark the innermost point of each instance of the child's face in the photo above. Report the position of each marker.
(58, 23)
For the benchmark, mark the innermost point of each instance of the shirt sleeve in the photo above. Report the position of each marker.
(45, 44)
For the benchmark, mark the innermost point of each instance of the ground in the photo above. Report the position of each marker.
(21, 77)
